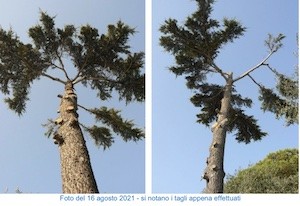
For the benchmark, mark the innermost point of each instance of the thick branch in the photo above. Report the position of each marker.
(77, 78)
(53, 78)
(255, 67)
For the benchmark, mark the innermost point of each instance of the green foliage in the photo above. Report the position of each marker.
(283, 101)
(209, 99)
(246, 126)
(277, 173)
(196, 44)
(20, 64)
(288, 87)
(274, 43)
(103, 62)
(109, 121)
(101, 136)
(112, 118)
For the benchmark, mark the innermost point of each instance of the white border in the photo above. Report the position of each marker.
(148, 105)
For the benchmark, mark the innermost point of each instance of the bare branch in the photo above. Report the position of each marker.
(273, 43)
(62, 65)
(84, 108)
(258, 84)
(255, 67)
(273, 70)
(53, 78)
(54, 65)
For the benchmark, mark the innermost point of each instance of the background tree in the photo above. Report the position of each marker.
(103, 63)
(277, 173)
(196, 45)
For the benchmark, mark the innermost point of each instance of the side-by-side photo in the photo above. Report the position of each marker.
(148, 101)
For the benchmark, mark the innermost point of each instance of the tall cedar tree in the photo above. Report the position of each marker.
(102, 62)
(196, 45)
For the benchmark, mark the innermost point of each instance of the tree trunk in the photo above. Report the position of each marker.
(214, 172)
(76, 171)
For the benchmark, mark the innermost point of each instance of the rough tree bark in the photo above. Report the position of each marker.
(76, 171)
(214, 172)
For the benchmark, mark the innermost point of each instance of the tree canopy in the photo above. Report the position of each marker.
(277, 173)
(102, 62)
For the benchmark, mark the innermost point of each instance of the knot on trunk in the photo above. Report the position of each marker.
(205, 176)
(58, 121)
(58, 139)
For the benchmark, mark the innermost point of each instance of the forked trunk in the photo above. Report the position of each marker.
(76, 171)
(214, 172)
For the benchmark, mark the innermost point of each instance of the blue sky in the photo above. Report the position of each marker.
(28, 159)
(180, 145)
